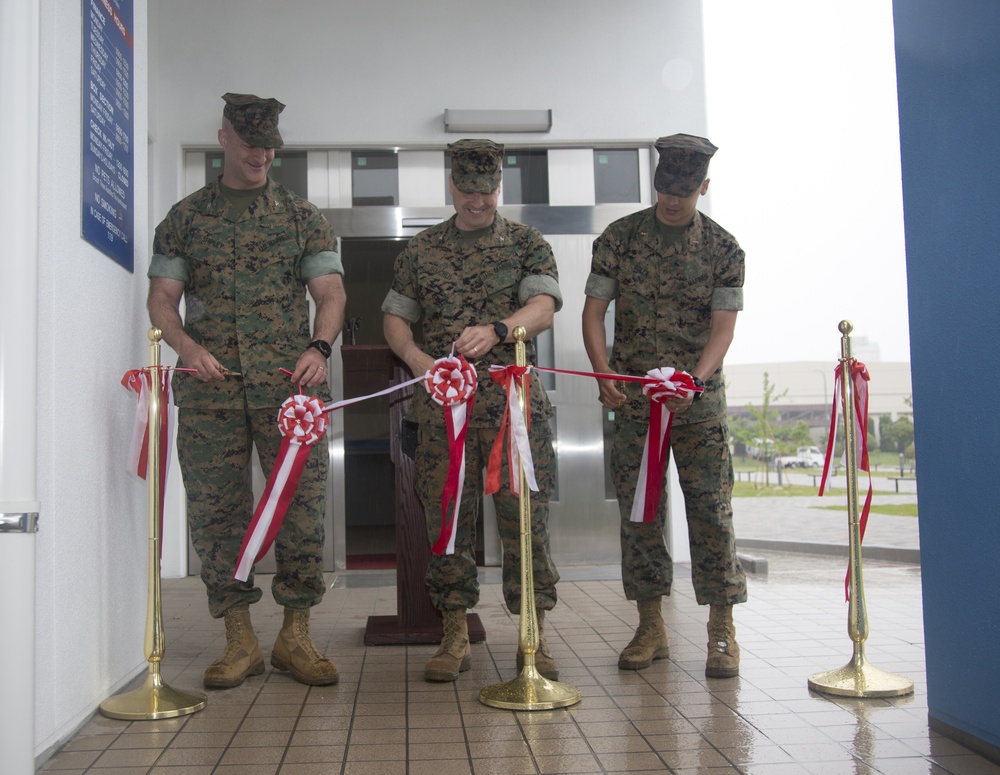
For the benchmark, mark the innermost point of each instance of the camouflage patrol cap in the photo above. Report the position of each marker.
(683, 164)
(254, 118)
(476, 166)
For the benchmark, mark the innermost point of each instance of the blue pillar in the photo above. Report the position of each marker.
(948, 75)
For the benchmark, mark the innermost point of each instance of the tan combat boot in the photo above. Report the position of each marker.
(723, 650)
(242, 655)
(454, 655)
(545, 663)
(650, 639)
(295, 652)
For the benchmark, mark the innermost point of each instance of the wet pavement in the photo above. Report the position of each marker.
(815, 525)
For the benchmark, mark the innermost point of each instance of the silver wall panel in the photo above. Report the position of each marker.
(395, 222)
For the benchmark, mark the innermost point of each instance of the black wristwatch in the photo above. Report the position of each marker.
(323, 346)
(698, 383)
(500, 329)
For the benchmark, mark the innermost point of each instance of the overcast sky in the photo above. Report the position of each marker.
(802, 104)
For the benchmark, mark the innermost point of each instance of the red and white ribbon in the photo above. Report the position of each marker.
(859, 377)
(518, 450)
(139, 382)
(302, 423)
(659, 385)
(451, 383)
(665, 383)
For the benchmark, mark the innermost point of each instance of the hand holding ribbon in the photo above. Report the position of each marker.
(451, 383)
(664, 384)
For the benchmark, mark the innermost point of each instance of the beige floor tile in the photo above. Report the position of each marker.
(384, 719)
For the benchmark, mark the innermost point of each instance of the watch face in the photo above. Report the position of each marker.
(501, 330)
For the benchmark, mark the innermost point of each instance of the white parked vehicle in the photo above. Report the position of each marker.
(804, 457)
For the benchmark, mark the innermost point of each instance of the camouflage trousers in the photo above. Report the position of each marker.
(451, 579)
(214, 447)
(705, 470)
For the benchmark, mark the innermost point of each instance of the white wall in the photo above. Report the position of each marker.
(91, 545)
(382, 72)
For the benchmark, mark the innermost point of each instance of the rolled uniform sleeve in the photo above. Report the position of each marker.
(319, 247)
(541, 277)
(729, 273)
(169, 258)
(169, 267)
(610, 245)
(540, 285)
(600, 287)
(401, 300)
(318, 264)
(727, 299)
(402, 306)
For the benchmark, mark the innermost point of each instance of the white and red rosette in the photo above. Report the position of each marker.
(518, 449)
(301, 419)
(451, 383)
(302, 423)
(663, 384)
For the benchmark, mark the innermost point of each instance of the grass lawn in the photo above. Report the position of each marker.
(755, 490)
(752, 490)
(892, 509)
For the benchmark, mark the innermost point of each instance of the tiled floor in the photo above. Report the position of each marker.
(383, 718)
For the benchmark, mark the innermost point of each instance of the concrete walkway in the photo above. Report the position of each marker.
(809, 524)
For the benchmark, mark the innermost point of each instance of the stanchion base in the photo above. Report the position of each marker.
(860, 679)
(153, 700)
(530, 691)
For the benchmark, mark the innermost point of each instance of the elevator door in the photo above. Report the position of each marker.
(369, 501)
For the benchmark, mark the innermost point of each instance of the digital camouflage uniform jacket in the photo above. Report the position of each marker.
(664, 295)
(450, 282)
(244, 288)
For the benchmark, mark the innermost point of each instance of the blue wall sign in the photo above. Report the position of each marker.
(108, 129)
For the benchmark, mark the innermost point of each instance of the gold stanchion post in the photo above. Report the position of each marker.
(154, 699)
(857, 678)
(530, 690)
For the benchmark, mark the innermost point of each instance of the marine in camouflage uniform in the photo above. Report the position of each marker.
(241, 251)
(468, 282)
(676, 278)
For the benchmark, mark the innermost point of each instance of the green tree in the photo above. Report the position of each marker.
(791, 437)
(742, 430)
(762, 417)
(896, 436)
